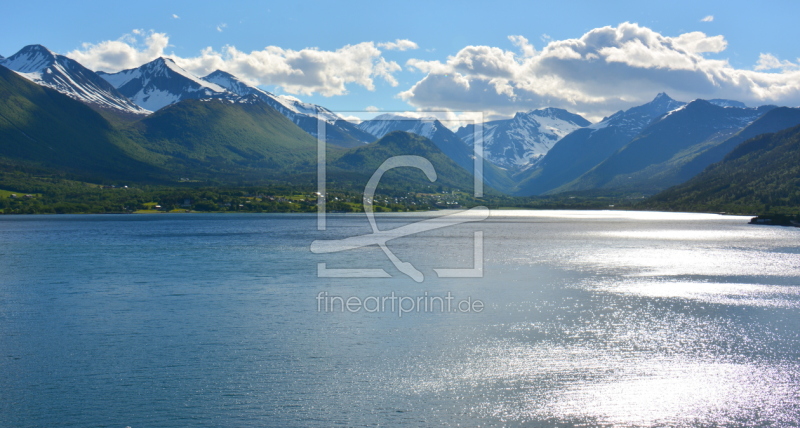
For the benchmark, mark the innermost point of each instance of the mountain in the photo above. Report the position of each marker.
(161, 82)
(41, 66)
(654, 159)
(224, 141)
(390, 122)
(760, 175)
(517, 143)
(727, 103)
(430, 128)
(220, 139)
(364, 161)
(584, 148)
(445, 139)
(44, 130)
(774, 120)
(338, 131)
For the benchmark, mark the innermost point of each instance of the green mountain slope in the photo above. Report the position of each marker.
(774, 120)
(48, 131)
(223, 137)
(354, 168)
(760, 175)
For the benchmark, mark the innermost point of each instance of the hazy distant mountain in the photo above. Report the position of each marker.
(365, 160)
(161, 82)
(517, 143)
(338, 131)
(39, 65)
(727, 103)
(445, 139)
(653, 160)
(584, 148)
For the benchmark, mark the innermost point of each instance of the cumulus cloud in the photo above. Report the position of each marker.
(372, 109)
(399, 45)
(305, 71)
(130, 50)
(768, 61)
(709, 18)
(174, 16)
(606, 69)
(221, 27)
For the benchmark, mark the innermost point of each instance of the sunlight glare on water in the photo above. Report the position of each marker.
(592, 318)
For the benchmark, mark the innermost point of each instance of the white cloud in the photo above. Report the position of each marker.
(709, 18)
(221, 27)
(174, 16)
(130, 50)
(305, 71)
(768, 61)
(606, 69)
(372, 109)
(399, 44)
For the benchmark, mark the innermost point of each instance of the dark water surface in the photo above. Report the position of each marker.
(588, 318)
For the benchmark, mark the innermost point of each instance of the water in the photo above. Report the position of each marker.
(589, 319)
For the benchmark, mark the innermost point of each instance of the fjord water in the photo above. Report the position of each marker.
(590, 318)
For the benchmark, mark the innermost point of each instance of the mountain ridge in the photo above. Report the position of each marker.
(41, 66)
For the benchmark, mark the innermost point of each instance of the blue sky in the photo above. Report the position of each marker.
(747, 50)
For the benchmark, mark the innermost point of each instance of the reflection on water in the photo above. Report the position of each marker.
(593, 318)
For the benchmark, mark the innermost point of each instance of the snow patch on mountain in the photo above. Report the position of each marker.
(518, 143)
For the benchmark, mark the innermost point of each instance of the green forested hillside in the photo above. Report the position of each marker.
(43, 129)
(226, 137)
(759, 176)
(357, 165)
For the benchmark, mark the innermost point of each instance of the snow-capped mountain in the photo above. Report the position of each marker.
(517, 143)
(630, 122)
(304, 115)
(445, 139)
(429, 127)
(584, 148)
(291, 105)
(161, 82)
(39, 65)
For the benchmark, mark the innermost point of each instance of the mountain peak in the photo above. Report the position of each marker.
(662, 97)
(31, 59)
(161, 82)
(43, 67)
(218, 74)
(34, 49)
